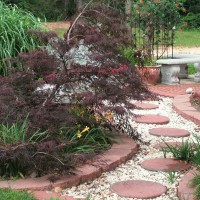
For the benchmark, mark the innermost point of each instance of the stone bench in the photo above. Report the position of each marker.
(174, 69)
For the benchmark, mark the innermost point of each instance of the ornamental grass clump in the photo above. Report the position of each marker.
(189, 151)
(14, 24)
(74, 104)
(17, 133)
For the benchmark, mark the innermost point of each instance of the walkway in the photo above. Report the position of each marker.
(148, 175)
(174, 90)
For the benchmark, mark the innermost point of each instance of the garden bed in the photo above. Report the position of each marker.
(120, 152)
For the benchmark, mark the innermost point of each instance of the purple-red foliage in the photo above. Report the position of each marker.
(112, 78)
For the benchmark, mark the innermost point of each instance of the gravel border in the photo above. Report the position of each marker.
(100, 188)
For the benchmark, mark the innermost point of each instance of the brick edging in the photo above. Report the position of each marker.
(182, 105)
(184, 191)
(119, 153)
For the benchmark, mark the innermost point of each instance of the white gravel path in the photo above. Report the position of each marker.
(99, 189)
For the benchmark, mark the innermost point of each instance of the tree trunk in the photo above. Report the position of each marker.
(79, 5)
(128, 7)
(128, 13)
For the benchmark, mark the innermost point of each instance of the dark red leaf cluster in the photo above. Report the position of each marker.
(52, 81)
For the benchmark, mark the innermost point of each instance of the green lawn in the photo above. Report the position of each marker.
(187, 38)
(7, 194)
(60, 31)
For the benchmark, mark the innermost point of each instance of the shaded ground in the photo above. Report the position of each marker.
(57, 25)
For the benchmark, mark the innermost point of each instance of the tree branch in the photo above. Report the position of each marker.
(71, 27)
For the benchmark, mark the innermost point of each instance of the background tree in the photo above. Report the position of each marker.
(191, 14)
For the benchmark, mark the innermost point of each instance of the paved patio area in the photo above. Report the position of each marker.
(174, 90)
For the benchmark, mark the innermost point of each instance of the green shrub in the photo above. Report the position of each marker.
(52, 10)
(191, 69)
(14, 24)
(90, 141)
(129, 54)
(193, 20)
(88, 137)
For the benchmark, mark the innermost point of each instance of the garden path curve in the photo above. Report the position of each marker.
(171, 192)
(131, 172)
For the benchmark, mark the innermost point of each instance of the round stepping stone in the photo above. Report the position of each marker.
(151, 119)
(138, 189)
(147, 106)
(164, 164)
(169, 132)
(162, 145)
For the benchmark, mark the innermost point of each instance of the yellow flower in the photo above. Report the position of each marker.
(109, 115)
(85, 129)
(98, 118)
(79, 135)
(82, 113)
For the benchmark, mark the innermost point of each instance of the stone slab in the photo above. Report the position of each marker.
(184, 190)
(48, 195)
(146, 106)
(151, 119)
(169, 132)
(87, 172)
(138, 189)
(178, 61)
(182, 106)
(165, 164)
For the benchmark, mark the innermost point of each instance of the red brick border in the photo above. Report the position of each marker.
(46, 195)
(182, 106)
(120, 152)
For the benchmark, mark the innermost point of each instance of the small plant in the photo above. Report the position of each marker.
(89, 140)
(88, 197)
(191, 69)
(188, 151)
(52, 198)
(182, 152)
(18, 133)
(171, 176)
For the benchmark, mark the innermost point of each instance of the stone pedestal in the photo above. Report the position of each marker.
(197, 75)
(183, 71)
(170, 74)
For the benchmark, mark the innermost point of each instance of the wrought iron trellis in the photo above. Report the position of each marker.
(156, 40)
